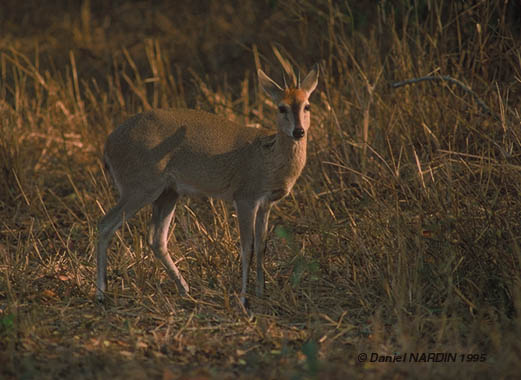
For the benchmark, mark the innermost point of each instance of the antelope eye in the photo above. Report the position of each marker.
(283, 109)
(307, 107)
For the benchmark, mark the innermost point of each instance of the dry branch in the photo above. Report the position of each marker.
(447, 78)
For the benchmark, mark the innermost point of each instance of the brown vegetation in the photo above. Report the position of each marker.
(402, 235)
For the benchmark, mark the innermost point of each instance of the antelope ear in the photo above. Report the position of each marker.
(271, 88)
(311, 80)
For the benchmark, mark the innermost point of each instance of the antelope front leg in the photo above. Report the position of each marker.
(261, 229)
(246, 213)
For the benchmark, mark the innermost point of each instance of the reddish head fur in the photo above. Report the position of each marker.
(294, 95)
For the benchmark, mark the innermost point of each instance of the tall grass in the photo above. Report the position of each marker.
(402, 235)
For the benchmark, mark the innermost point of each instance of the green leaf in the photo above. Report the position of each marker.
(310, 349)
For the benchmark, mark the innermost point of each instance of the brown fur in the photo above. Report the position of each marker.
(159, 155)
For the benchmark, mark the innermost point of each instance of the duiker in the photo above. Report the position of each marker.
(157, 156)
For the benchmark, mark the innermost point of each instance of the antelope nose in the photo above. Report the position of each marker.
(298, 133)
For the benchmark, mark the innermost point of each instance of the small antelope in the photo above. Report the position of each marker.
(157, 156)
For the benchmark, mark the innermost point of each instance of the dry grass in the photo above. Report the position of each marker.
(402, 235)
